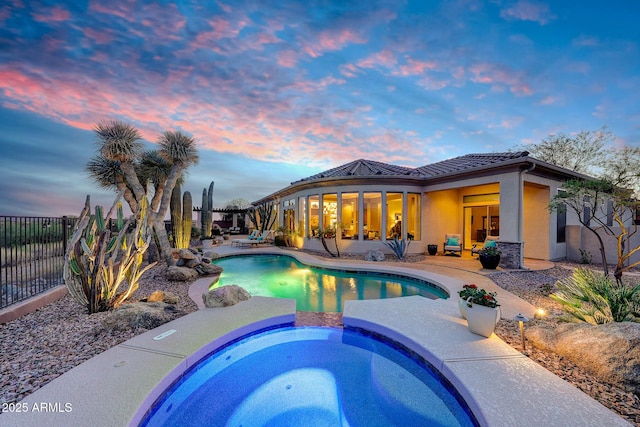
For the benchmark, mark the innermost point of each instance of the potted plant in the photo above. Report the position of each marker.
(465, 293)
(489, 257)
(482, 312)
(432, 249)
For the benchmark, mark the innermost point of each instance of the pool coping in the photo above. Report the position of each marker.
(501, 386)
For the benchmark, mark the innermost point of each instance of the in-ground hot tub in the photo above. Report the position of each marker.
(310, 376)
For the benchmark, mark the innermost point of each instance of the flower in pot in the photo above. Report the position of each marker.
(482, 312)
(466, 292)
(489, 257)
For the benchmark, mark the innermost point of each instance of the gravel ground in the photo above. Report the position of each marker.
(43, 345)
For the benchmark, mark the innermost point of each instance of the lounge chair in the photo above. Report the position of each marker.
(489, 241)
(452, 244)
(265, 238)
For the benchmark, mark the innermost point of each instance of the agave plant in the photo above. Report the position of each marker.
(102, 270)
(399, 247)
(593, 298)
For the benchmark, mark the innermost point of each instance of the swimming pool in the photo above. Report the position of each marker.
(316, 289)
(310, 376)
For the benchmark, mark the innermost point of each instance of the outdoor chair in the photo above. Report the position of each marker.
(452, 244)
(490, 241)
(265, 238)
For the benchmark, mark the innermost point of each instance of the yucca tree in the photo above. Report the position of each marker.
(122, 165)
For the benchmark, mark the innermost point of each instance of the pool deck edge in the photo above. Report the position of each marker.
(116, 387)
(501, 386)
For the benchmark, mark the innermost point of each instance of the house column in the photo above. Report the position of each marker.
(511, 211)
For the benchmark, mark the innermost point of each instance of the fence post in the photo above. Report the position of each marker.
(65, 234)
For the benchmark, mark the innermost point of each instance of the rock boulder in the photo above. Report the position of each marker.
(225, 296)
(611, 352)
(374, 256)
(181, 274)
(146, 315)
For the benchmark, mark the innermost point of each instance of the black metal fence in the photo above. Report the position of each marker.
(31, 255)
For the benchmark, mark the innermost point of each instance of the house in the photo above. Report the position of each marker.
(500, 194)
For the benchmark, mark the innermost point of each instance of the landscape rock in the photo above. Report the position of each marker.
(186, 254)
(211, 255)
(208, 269)
(162, 296)
(146, 315)
(225, 296)
(181, 274)
(375, 256)
(611, 352)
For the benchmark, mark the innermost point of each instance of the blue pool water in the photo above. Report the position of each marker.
(315, 289)
(309, 377)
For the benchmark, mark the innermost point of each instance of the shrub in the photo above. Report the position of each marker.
(399, 247)
(593, 298)
(585, 256)
(97, 264)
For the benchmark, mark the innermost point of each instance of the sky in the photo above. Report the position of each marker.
(275, 91)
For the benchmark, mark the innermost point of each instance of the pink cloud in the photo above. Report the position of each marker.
(416, 67)
(287, 58)
(54, 14)
(122, 9)
(528, 11)
(499, 77)
(384, 58)
(330, 41)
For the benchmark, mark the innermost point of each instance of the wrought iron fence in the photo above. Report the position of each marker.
(31, 255)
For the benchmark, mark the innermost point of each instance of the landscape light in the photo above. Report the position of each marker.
(521, 319)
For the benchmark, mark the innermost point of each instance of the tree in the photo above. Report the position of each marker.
(599, 204)
(583, 153)
(123, 166)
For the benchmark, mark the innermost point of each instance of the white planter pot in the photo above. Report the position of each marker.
(462, 307)
(482, 320)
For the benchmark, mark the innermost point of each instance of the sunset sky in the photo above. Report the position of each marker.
(276, 91)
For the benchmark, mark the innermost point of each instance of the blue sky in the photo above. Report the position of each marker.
(277, 91)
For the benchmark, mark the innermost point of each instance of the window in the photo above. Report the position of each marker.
(349, 215)
(302, 216)
(561, 222)
(394, 215)
(413, 216)
(314, 216)
(329, 211)
(372, 216)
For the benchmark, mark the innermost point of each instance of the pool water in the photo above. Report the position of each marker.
(309, 377)
(315, 289)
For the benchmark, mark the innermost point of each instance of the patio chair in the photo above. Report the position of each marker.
(452, 244)
(265, 238)
(489, 241)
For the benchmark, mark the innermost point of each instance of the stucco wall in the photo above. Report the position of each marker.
(536, 222)
(442, 213)
(579, 237)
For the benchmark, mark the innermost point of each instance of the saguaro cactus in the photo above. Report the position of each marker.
(97, 263)
(207, 212)
(181, 220)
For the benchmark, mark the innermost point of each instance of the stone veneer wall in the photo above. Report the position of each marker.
(511, 254)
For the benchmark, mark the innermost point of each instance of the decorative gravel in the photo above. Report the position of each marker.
(52, 340)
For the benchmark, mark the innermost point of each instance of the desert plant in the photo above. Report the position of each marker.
(585, 256)
(206, 214)
(596, 299)
(399, 247)
(98, 263)
(181, 219)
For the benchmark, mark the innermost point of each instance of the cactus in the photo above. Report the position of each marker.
(181, 219)
(187, 219)
(175, 207)
(97, 263)
(206, 212)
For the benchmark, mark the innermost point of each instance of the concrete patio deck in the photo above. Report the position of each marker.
(502, 386)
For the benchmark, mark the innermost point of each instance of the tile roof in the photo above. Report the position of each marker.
(361, 168)
(364, 168)
(466, 162)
